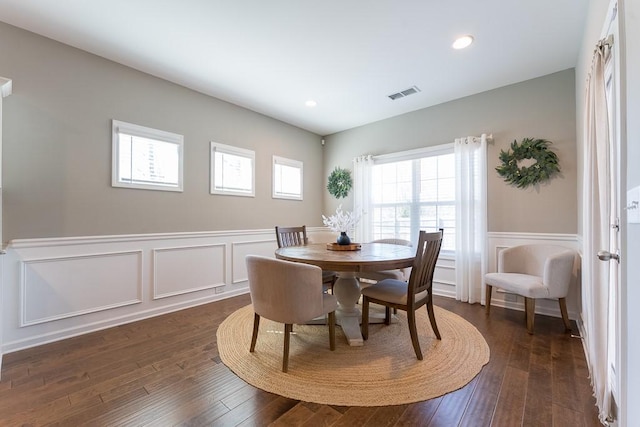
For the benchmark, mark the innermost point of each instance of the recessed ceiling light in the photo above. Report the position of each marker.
(311, 103)
(462, 42)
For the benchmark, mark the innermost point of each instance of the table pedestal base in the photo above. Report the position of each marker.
(348, 315)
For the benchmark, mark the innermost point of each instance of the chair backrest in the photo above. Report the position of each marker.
(393, 241)
(291, 236)
(424, 264)
(554, 263)
(284, 291)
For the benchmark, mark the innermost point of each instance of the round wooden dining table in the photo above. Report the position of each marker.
(347, 263)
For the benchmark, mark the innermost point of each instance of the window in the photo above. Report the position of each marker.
(146, 158)
(414, 191)
(232, 170)
(287, 178)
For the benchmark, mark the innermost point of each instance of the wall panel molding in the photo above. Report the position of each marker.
(239, 250)
(60, 287)
(185, 269)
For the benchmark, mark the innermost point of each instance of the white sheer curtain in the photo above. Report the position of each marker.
(362, 197)
(595, 274)
(471, 216)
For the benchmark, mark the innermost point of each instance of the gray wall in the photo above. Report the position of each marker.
(57, 149)
(540, 108)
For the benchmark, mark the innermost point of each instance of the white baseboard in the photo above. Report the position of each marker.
(76, 330)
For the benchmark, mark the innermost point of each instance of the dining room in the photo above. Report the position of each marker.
(93, 253)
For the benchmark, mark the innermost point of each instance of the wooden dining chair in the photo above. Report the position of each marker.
(411, 295)
(288, 292)
(297, 236)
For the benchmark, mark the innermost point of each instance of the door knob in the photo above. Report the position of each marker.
(607, 256)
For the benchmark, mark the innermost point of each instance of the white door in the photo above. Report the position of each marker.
(629, 298)
(611, 254)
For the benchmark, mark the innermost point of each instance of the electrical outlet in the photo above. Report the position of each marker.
(219, 289)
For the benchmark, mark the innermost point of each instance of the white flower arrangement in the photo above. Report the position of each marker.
(342, 221)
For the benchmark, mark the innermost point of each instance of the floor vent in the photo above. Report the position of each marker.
(403, 93)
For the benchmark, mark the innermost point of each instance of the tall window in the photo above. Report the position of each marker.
(414, 191)
(287, 178)
(146, 158)
(232, 170)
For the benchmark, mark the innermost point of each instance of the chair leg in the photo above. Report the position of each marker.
(365, 318)
(332, 330)
(432, 318)
(285, 353)
(565, 315)
(411, 318)
(488, 308)
(530, 310)
(254, 337)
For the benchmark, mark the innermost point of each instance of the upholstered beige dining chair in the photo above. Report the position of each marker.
(534, 271)
(398, 274)
(297, 236)
(288, 292)
(408, 296)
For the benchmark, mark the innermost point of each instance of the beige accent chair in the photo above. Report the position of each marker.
(297, 236)
(534, 271)
(408, 296)
(398, 274)
(288, 292)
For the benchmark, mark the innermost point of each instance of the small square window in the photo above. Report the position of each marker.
(146, 158)
(287, 178)
(232, 170)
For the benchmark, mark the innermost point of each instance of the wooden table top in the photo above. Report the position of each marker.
(371, 256)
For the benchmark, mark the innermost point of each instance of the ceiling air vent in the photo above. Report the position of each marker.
(403, 93)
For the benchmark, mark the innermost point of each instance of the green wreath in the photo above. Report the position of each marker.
(544, 168)
(339, 183)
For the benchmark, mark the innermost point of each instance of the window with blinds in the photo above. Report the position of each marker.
(146, 158)
(232, 170)
(287, 178)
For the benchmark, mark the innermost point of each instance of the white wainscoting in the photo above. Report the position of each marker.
(54, 289)
(498, 241)
(444, 277)
(58, 288)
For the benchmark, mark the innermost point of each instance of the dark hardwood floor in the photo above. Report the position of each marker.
(166, 371)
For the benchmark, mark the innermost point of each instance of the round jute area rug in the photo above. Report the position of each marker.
(385, 371)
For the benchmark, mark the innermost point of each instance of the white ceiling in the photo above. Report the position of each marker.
(348, 55)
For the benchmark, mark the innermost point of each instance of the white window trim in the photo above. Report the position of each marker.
(118, 127)
(277, 160)
(236, 151)
(435, 150)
